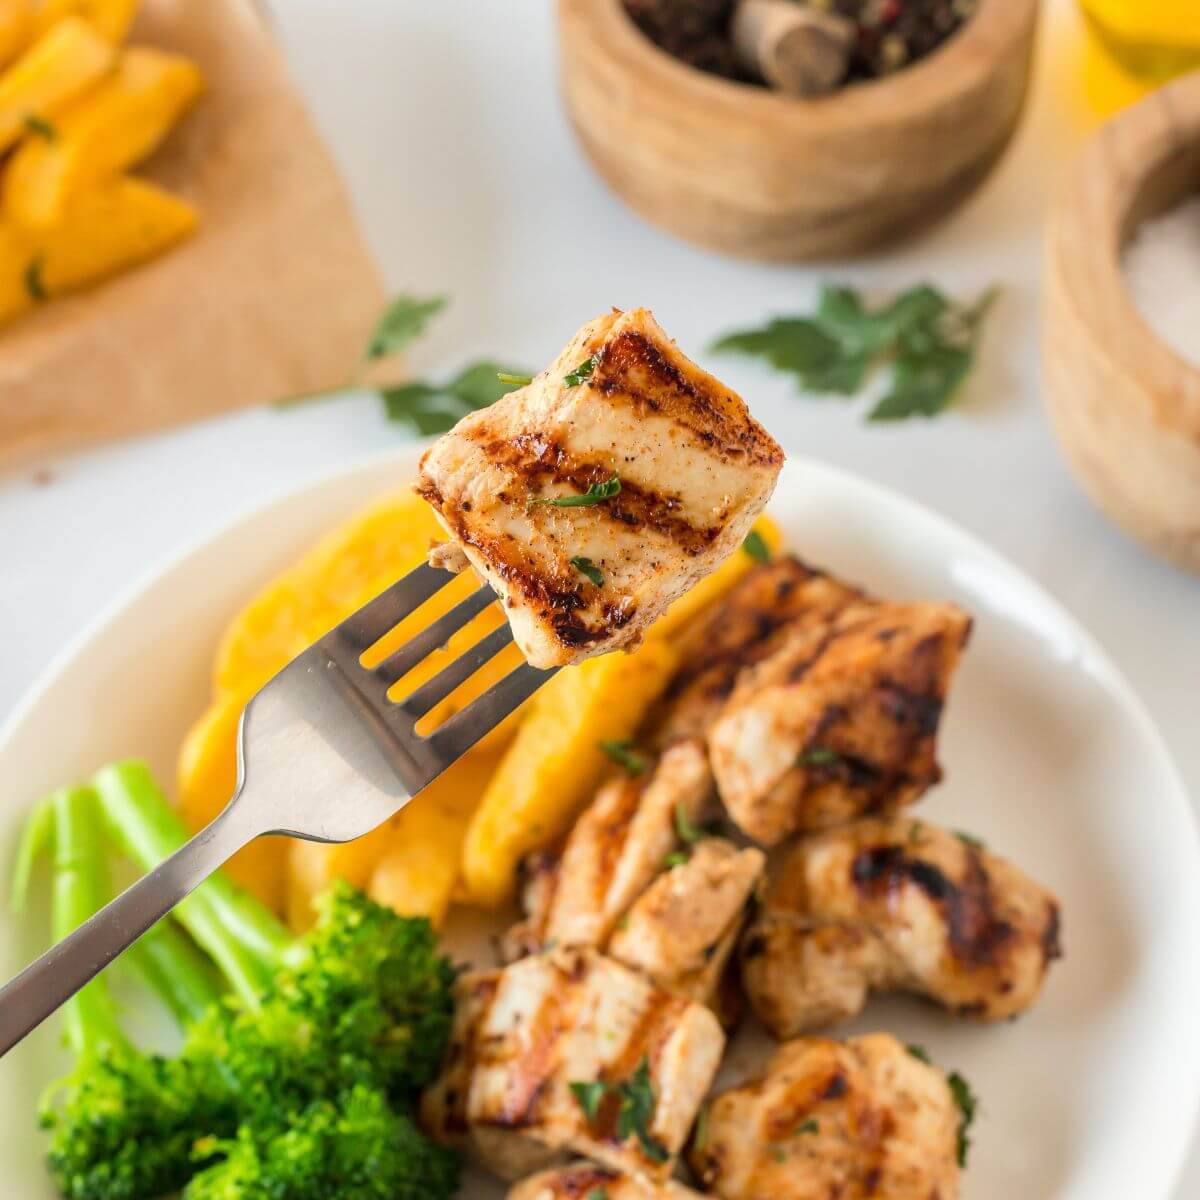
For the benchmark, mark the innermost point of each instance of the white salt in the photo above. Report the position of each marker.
(1162, 266)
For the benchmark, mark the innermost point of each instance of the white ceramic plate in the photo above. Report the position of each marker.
(1048, 756)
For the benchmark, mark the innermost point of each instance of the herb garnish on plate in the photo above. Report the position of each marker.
(926, 340)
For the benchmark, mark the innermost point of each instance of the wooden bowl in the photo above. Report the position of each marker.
(1125, 406)
(742, 169)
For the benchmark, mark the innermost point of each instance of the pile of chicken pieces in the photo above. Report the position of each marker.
(762, 854)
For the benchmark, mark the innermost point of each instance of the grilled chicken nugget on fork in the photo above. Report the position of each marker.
(603, 490)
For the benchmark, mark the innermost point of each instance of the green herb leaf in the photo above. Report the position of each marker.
(636, 1114)
(809, 1126)
(431, 408)
(598, 1194)
(40, 127)
(514, 380)
(582, 372)
(403, 320)
(924, 383)
(597, 493)
(687, 832)
(819, 756)
(968, 1104)
(676, 859)
(33, 281)
(585, 566)
(589, 1096)
(916, 832)
(969, 839)
(919, 1053)
(624, 755)
(928, 341)
(756, 546)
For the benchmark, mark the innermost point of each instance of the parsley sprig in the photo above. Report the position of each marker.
(597, 493)
(624, 754)
(928, 342)
(635, 1113)
(427, 407)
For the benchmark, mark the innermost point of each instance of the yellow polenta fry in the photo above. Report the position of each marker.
(113, 126)
(416, 876)
(111, 17)
(59, 66)
(103, 232)
(16, 28)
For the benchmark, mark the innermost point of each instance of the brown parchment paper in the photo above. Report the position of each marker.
(274, 295)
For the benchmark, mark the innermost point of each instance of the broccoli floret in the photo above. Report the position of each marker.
(366, 998)
(354, 1147)
(297, 1085)
(125, 1124)
(375, 982)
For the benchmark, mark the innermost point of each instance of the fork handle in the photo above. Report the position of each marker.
(54, 978)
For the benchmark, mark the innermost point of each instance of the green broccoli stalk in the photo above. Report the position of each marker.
(123, 1123)
(361, 1007)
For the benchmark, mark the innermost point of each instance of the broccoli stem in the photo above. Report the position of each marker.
(81, 888)
(244, 939)
(175, 971)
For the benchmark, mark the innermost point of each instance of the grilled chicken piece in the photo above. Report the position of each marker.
(585, 1181)
(841, 721)
(524, 1035)
(767, 606)
(620, 402)
(860, 1120)
(897, 905)
(613, 853)
(681, 930)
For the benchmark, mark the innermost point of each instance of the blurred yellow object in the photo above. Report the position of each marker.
(348, 567)
(1147, 41)
(111, 17)
(104, 231)
(62, 64)
(555, 762)
(16, 28)
(115, 125)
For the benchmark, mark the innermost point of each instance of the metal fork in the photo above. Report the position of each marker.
(323, 754)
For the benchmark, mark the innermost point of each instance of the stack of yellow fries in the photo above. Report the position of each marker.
(516, 791)
(78, 109)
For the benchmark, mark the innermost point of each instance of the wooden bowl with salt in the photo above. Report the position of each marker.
(1125, 405)
(754, 172)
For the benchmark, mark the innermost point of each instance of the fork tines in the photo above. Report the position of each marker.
(347, 642)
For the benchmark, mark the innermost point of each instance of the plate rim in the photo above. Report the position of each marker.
(404, 456)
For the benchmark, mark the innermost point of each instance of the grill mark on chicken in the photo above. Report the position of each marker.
(559, 600)
(974, 933)
(546, 1029)
(536, 457)
(582, 1180)
(645, 1041)
(673, 394)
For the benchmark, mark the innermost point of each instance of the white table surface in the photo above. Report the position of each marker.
(446, 121)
